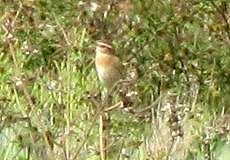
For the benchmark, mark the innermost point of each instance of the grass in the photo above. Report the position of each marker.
(176, 54)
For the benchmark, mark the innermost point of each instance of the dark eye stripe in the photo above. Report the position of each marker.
(103, 46)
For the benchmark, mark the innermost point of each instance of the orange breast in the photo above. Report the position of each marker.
(108, 69)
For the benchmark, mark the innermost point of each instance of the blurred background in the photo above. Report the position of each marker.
(175, 53)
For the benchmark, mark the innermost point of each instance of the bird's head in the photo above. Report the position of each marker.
(104, 47)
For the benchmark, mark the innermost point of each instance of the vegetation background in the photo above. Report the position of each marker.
(175, 52)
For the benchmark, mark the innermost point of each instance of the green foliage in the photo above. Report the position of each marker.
(50, 95)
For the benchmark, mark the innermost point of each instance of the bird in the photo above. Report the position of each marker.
(109, 68)
(108, 65)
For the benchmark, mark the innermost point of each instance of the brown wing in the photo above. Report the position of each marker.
(117, 63)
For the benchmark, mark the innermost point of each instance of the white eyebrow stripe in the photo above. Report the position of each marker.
(104, 44)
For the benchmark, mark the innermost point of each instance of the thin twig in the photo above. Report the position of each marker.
(100, 111)
(87, 133)
(24, 88)
(223, 15)
(103, 122)
(62, 29)
(103, 136)
(117, 105)
(156, 102)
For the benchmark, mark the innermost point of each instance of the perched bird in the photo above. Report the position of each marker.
(109, 69)
(108, 65)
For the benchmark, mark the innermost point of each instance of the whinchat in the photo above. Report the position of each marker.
(108, 65)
